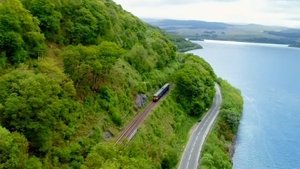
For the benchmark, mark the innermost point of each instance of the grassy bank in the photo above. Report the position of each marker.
(218, 147)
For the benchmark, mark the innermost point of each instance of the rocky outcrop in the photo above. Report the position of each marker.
(140, 100)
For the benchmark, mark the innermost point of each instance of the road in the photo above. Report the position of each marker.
(131, 129)
(191, 154)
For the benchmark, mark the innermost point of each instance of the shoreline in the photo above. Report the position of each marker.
(242, 43)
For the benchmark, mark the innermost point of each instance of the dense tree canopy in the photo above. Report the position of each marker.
(87, 66)
(70, 74)
(34, 104)
(195, 85)
(20, 36)
(47, 14)
(13, 149)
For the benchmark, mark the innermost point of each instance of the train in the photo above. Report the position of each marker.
(161, 92)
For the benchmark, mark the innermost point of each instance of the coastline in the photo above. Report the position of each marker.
(242, 43)
(233, 146)
(255, 84)
(190, 49)
(223, 136)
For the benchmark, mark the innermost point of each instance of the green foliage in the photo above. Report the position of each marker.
(158, 130)
(162, 46)
(33, 163)
(47, 14)
(182, 44)
(86, 22)
(232, 107)
(82, 65)
(100, 58)
(218, 147)
(170, 160)
(88, 66)
(33, 104)
(139, 58)
(13, 149)
(3, 61)
(195, 85)
(20, 36)
(70, 154)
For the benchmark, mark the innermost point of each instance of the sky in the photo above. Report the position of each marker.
(266, 12)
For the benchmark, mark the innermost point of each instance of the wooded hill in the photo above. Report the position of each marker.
(199, 30)
(70, 72)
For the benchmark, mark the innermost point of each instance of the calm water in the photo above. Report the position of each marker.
(269, 78)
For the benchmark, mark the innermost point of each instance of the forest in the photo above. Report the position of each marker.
(70, 72)
(183, 45)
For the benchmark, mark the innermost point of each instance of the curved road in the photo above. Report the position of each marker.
(191, 154)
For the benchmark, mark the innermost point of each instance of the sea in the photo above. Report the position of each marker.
(268, 76)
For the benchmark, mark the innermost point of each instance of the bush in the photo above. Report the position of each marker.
(170, 160)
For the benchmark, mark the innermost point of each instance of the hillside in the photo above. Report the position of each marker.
(296, 44)
(183, 45)
(199, 30)
(70, 74)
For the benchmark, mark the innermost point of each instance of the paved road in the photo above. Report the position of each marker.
(191, 154)
(131, 129)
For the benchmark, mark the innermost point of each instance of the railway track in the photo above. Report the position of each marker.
(131, 129)
(128, 133)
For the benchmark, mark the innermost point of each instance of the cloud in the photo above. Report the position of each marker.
(287, 9)
(140, 3)
(284, 5)
(268, 12)
(294, 18)
(192, 1)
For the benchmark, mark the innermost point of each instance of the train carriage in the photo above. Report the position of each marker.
(161, 92)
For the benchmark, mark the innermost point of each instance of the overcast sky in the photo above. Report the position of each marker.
(267, 12)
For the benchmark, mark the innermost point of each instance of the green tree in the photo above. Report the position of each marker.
(84, 21)
(33, 163)
(87, 66)
(139, 58)
(13, 149)
(33, 104)
(47, 14)
(195, 85)
(20, 36)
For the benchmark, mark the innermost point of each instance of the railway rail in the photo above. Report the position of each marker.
(129, 132)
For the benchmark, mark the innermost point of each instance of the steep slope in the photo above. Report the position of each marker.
(70, 72)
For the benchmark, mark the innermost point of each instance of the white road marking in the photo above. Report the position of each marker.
(195, 140)
(195, 144)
